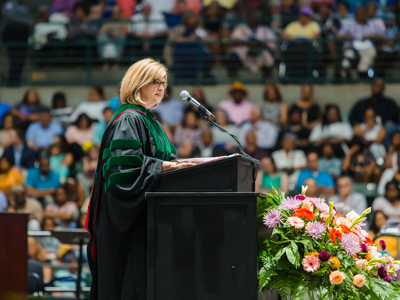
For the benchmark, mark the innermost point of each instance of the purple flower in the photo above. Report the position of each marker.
(272, 218)
(324, 256)
(299, 197)
(320, 204)
(290, 204)
(364, 248)
(382, 272)
(383, 244)
(315, 229)
(388, 278)
(350, 245)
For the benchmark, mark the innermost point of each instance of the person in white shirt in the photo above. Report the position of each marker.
(150, 27)
(93, 108)
(288, 158)
(390, 203)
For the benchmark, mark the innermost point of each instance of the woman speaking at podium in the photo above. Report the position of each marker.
(134, 152)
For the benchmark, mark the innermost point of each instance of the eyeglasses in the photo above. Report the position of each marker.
(158, 83)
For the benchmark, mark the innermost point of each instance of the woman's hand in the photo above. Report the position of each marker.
(171, 165)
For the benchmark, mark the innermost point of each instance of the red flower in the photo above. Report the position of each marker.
(368, 241)
(355, 255)
(303, 212)
(333, 238)
(335, 233)
(345, 229)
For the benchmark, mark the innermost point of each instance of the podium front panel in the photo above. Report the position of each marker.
(202, 246)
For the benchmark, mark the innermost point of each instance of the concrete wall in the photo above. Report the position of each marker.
(343, 95)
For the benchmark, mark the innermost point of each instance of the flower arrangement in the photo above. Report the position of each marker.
(314, 250)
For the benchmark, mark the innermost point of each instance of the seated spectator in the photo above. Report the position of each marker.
(60, 112)
(379, 220)
(359, 163)
(9, 175)
(111, 39)
(345, 195)
(28, 110)
(220, 138)
(198, 94)
(238, 108)
(372, 132)
(50, 243)
(100, 127)
(64, 212)
(207, 148)
(265, 131)
(94, 107)
(389, 204)
(170, 109)
(289, 12)
(83, 28)
(212, 15)
(252, 148)
(60, 161)
(332, 130)
(270, 177)
(89, 164)
(392, 154)
(357, 35)
(64, 7)
(188, 131)
(254, 49)
(296, 128)
(6, 129)
(310, 111)
(188, 52)
(81, 131)
(304, 28)
(272, 108)
(19, 154)
(324, 181)
(288, 159)
(149, 27)
(21, 203)
(41, 133)
(74, 148)
(329, 163)
(371, 10)
(41, 182)
(234, 16)
(35, 251)
(75, 191)
(312, 190)
(385, 108)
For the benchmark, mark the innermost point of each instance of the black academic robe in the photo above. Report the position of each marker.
(133, 148)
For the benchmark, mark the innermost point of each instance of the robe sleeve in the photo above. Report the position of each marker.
(127, 172)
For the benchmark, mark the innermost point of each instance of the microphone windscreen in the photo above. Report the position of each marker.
(184, 95)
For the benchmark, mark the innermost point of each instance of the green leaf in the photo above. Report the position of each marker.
(290, 256)
(280, 253)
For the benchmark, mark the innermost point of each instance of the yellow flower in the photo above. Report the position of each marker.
(336, 262)
(313, 253)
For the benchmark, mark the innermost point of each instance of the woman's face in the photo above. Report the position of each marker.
(267, 165)
(94, 95)
(190, 120)
(392, 192)
(380, 220)
(83, 122)
(152, 94)
(270, 93)
(48, 225)
(8, 122)
(327, 151)
(32, 97)
(4, 166)
(332, 116)
(61, 196)
(220, 117)
(369, 116)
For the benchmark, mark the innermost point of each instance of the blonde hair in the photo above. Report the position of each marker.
(141, 73)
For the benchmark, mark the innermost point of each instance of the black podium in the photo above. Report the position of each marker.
(202, 241)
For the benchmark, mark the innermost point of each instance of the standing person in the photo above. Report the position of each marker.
(17, 21)
(134, 152)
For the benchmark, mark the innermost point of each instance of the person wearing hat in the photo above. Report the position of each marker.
(237, 108)
(304, 28)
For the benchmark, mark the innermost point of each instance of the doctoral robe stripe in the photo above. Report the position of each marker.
(121, 144)
(122, 160)
(120, 178)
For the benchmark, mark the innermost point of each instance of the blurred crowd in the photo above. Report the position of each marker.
(192, 36)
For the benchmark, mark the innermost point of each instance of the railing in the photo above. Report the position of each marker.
(198, 62)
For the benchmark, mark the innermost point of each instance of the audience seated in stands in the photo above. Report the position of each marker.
(312, 190)
(9, 175)
(170, 109)
(101, 126)
(207, 147)
(391, 174)
(304, 28)
(28, 109)
(94, 107)
(310, 111)
(329, 162)
(270, 177)
(60, 112)
(41, 133)
(65, 7)
(345, 194)
(188, 132)
(379, 220)
(49, 243)
(19, 154)
(389, 204)
(324, 181)
(75, 191)
(60, 161)
(238, 108)
(252, 148)
(81, 131)
(272, 108)
(265, 131)
(288, 159)
(5, 131)
(21, 203)
(83, 28)
(64, 212)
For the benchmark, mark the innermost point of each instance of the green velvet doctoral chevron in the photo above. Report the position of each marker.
(121, 144)
(119, 178)
(122, 160)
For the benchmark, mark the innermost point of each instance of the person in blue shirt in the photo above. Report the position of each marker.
(325, 183)
(18, 153)
(41, 133)
(41, 182)
(4, 108)
(101, 126)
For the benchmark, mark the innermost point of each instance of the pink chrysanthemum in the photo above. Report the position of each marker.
(296, 222)
(320, 204)
(350, 244)
(272, 218)
(290, 204)
(310, 263)
(315, 229)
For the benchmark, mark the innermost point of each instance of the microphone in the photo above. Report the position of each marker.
(186, 96)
